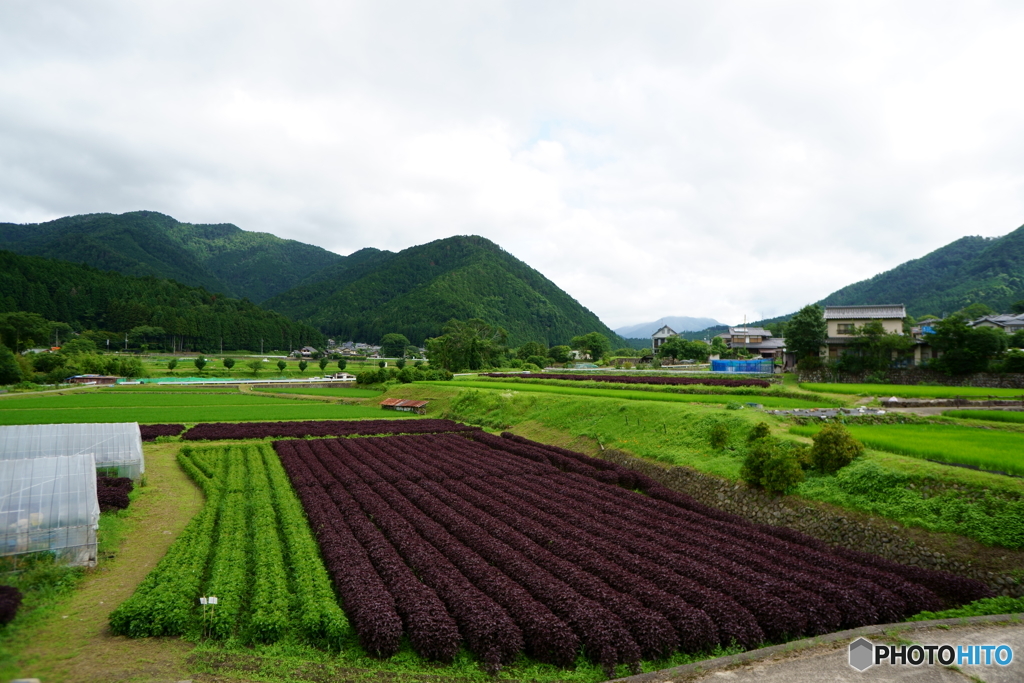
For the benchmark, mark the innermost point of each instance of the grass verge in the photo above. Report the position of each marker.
(910, 390)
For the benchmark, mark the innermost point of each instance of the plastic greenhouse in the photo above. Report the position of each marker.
(116, 446)
(50, 504)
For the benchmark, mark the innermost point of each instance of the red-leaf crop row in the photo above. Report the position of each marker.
(112, 492)
(150, 432)
(634, 379)
(10, 601)
(504, 544)
(258, 430)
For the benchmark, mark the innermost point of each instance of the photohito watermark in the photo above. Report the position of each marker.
(864, 654)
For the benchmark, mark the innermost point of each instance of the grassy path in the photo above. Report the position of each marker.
(74, 644)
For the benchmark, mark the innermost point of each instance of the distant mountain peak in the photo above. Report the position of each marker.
(678, 323)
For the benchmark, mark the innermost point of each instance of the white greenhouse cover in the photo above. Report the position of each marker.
(50, 503)
(113, 444)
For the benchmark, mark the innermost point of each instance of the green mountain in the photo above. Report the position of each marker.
(220, 258)
(415, 291)
(988, 270)
(185, 317)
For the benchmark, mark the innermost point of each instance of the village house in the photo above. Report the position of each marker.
(1007, 322)
(755, 340)
(843, 322)
(661, 336)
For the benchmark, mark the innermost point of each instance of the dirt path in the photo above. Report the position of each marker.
(75, 644)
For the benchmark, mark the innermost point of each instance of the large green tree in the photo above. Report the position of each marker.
(10, 371)
(806, 331)
(20, 330)
(593, 343)
(531, 349)
(393, 345)
(471, 344)
(875, 349)
(965, 349)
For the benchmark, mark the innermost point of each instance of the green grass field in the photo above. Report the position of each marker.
(340, 392)
(632, 395)
(157, 407)
(1011, 416)
(911, 391)
(988, 449)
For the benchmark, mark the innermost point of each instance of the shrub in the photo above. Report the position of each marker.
(809, 364)
(229, 362)
(530, 367)
(834, 448)
(760, 431)
(539, 361)
(172, 363)
(719, 435)
(771, 466)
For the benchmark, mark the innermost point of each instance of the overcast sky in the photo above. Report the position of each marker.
(706, 158)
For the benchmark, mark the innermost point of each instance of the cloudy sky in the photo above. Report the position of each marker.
(706, 158)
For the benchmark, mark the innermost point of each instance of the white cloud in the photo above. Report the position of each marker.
(712, 159)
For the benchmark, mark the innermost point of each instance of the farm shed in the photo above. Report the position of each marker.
(116, 446)
(50, 504)
(404, 405)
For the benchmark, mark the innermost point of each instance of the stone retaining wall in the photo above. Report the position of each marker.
(919, 375)
(826, 523)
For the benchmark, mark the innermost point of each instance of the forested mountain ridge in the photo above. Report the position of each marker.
(220, 258)
(415, 291)
(168, 314)
(969, 270)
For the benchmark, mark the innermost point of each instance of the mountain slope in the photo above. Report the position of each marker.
(220, 258)
(188, 317)
(417, 290)
(679, 323)
(969, 270)
(987, 270)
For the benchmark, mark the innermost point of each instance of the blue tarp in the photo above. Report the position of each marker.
(761, 365)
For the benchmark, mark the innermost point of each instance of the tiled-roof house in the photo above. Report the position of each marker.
(843, 320)
(756, 340)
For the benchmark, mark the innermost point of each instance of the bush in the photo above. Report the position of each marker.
(809, 364)
(834, 448)
(771, 466)
(760, 431)
(530, 367)
(719, 435)
(539, 361)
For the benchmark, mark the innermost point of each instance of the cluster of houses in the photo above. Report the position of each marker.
(842, 321)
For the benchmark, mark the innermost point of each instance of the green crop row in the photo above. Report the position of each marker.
(269, 616)
(286, 409)
(252, 548)
(320, 617)
(339, 392)
(165, 603)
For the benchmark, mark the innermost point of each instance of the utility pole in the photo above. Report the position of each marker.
(126, 342)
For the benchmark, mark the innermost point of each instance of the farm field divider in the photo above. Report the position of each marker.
(518, 546)
(639, 395)
(637, 379)
(212, 431)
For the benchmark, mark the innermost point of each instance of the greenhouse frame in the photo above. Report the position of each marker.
(50, 504)
(116, 446)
